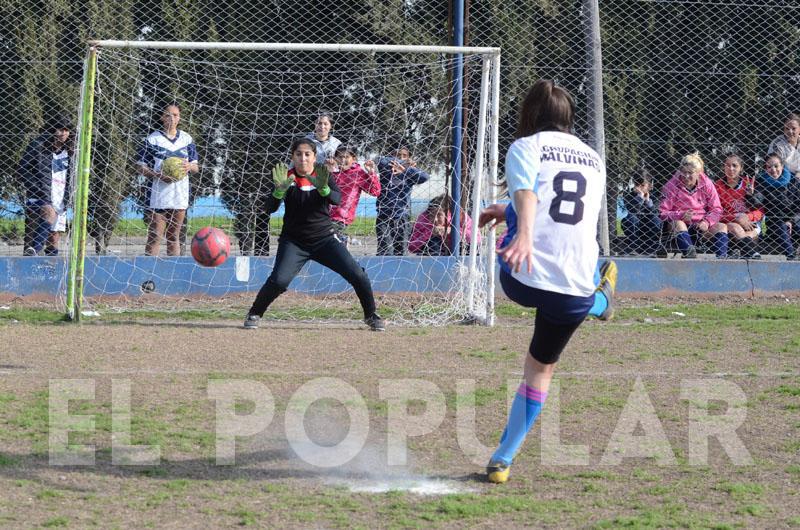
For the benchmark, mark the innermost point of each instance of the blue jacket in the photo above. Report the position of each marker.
(395, 198)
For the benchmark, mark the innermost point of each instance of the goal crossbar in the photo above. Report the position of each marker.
(282, 46)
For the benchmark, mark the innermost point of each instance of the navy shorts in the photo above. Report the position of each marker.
(557, 316)
(556, 307)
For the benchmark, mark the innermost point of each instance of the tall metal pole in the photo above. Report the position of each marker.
(595, 58)
(455, 157)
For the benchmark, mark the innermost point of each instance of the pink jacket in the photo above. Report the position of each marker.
(423, 229)
(703, 200)
(351, 182)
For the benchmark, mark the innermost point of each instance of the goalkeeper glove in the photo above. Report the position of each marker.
(321, 180)
(281, 179)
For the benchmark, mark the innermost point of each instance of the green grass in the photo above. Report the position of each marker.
(31, 316)
(740, 490)
(136, 228)
(466, 507)
(56, 522)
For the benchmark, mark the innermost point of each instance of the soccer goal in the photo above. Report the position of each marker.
(243, 104)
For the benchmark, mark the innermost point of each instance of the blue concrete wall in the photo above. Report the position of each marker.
(176, 276)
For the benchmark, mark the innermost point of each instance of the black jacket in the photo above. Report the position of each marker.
(780, 202)
(35, 172)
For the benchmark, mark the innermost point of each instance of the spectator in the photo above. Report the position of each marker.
(398, 174)
(430, 236)
(788, 146)
(169, 198)
(43, 172)
(307, 234)
(690, 203)
(641, 225)
(779, 191)
(739, 212)
(325, 142)
(351, 179)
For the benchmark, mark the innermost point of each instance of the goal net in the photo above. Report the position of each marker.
(243, 105)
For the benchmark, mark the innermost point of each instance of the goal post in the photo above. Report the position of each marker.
(77, 253)
(243, 104)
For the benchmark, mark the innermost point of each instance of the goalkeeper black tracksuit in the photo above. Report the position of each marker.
(308, 234)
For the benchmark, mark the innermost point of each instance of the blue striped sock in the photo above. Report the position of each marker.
(526, 407)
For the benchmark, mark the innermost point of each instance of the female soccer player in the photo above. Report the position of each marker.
(308, 234)
(548, 257)
(169, 199)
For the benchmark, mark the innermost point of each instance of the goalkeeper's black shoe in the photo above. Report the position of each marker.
(251, 322)
(375, 322)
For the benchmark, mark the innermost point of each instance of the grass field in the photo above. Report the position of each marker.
(648, 354)
(12, 229)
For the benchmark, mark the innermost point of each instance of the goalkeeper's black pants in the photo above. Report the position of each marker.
(291, 257)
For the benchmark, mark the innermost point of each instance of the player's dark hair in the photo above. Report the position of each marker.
(324, 114)
(792, 117)
(173, 104)
(737, 157)
(303, 141)
(58, 122)
(546, 107)
(345, 150)
(642, 176)
(440, 202)
(774, 155)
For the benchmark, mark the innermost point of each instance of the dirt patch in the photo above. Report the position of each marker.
(608, 368)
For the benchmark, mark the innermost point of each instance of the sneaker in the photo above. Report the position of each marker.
(608, 286)
(754, 255)
(251, 322)
(30, 251)
(690, 253)
(497, 472)
(375, 323)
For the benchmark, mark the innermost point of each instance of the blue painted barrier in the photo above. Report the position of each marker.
(109, 275)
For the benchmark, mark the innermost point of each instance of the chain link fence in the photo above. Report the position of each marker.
(677, 77)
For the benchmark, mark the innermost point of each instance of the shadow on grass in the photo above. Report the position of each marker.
(249, 466)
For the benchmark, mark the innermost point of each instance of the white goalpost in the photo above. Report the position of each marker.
(243, 104)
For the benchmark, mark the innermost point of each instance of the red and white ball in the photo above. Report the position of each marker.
(210, 246)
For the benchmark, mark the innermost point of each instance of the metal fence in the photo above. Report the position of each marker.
(677, 77)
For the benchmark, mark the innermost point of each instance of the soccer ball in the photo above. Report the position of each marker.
(172, 169)
(210, 246)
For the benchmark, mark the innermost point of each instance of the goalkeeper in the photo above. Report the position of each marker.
(308, 234)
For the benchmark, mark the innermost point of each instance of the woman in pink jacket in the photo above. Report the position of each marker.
(690, 203)
(430, 236)
(352, 179)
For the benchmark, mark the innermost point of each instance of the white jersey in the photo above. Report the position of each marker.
(326, 149)
(569, 180)
(168, 195)
(60, 166)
